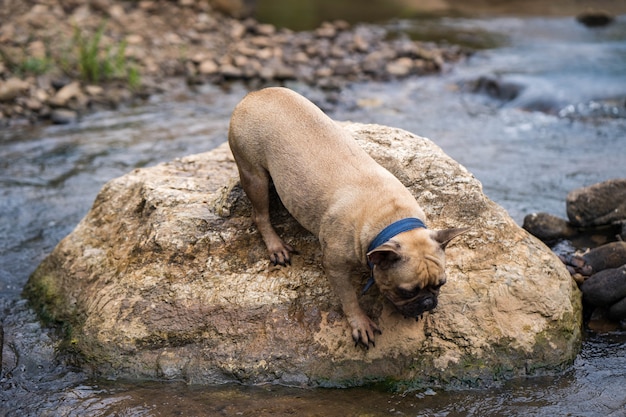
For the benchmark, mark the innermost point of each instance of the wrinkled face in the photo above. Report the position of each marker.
(409, 271)
(414, 303)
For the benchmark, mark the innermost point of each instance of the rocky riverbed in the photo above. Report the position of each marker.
(62, 58)
(591, 244)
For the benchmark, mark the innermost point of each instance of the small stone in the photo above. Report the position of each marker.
(261, 41)
(208, 67)
(41, 95)
(173, 39)
(241, 61)
(323, 72)
(265, 53)
(267, 73)
(337, 52)
(147, 5)
(37, 49)
(341, 25)
(94, 90)
(117, 12)
(284, 72)
(63, 116)
(595, 18)
(12, 88)
(65, 94)
(547, 227)
(327, 30)
(300, 58)
(230, 71)
(33, 104)
(237, 30)
(134, 39)
(265, 29)
(400, 67)
(7, 32)
(360, 44)
(346, 68)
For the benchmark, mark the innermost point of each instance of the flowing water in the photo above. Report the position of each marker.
(538, 113)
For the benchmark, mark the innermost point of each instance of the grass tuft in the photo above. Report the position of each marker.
(97, 63)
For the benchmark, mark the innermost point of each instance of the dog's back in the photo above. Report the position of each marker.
(316, 166)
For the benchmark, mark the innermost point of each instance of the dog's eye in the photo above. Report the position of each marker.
(404, 293)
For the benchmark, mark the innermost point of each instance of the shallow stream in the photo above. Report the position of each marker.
(542, 111)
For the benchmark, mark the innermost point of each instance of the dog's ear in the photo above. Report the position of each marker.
(443, 237)
(385, 255)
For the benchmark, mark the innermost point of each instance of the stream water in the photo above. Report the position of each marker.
(540, 112)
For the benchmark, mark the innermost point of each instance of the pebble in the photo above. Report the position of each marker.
(12, 88)
(188, 39)
(94, 90)
(208, 67)
(595, 18)
(66, 93)
(63, 116)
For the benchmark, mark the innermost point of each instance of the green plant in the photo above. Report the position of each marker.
(134, 79)
(98, 64)
(89, 64)
(36, 66)
(18, 61)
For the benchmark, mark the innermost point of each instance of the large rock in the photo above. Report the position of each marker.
(167, 277)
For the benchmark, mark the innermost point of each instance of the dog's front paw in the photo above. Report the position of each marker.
(280, 253)
(364, 331)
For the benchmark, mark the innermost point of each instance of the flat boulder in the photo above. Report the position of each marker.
(166, 277)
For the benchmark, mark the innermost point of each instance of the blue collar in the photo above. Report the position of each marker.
(389, 232)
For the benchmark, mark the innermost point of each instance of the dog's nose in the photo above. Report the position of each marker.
(428, 304)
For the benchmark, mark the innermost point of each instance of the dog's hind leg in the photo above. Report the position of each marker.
(255, 182)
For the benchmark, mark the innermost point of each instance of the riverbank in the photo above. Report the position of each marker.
(61, 59)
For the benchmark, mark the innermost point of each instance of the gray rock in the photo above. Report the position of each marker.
(66, 93)
(63, 116)
(608, 256)
(166, 277)
(618, 310)
(548, 227)
(12, 88)
(605, 288)
(599, 204)
(595, 18)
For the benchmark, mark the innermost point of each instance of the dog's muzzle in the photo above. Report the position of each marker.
(414, 307)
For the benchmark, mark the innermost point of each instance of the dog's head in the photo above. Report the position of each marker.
(409, 269)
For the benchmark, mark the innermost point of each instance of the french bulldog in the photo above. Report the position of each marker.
(361, 213)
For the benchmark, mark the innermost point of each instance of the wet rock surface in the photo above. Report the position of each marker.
(167, 278)
(548, 227)
(46, 59)
(599, 204)
(595, 18)
(605, 287)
